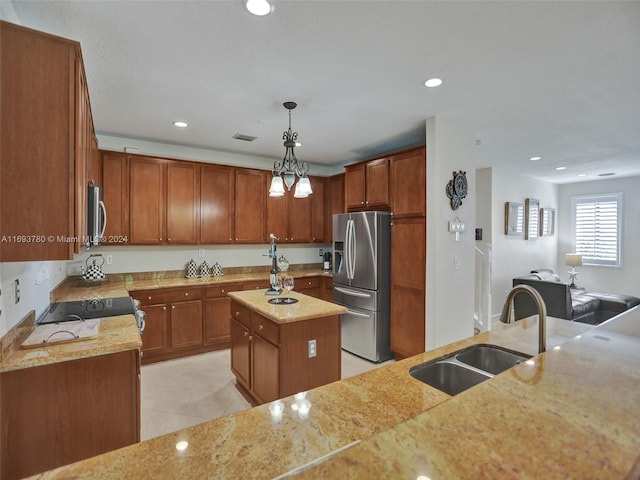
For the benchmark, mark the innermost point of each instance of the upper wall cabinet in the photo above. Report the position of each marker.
(217, 200)
(163, 202)
(47, 143)
(408, 181)
(334, 203)
(115, 194)
(250, 194)
(367, 185)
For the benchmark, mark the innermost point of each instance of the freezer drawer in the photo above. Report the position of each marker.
(356, 297)
(364, 335)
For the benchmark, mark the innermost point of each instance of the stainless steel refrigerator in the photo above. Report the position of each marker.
(361, 282)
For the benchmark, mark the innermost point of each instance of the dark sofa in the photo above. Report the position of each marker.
(571, 304)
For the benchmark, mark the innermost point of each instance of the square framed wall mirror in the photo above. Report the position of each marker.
(547, 222)
(531, 218)
(513, 218)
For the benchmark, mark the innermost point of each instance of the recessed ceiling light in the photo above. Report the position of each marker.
(561, 168)
(259, 7)
(433, 82)
(582, 175)
(181, 124)
(535, 159)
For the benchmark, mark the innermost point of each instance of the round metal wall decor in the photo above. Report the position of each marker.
(457, 189)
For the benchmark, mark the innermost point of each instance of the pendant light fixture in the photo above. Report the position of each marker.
(285, 172)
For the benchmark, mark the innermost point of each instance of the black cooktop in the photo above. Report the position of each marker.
(86, 309)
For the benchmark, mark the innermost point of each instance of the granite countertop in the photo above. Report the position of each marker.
(116, 334)
(306, 308)
(547, 419)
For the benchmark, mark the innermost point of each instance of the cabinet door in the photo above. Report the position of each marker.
(408, 286)
(155, 338)
(251, 191)
(300, 219)
(216, 204)
(278, 218)
(115, 194)
(318, 210)
(308, 286)
(146, 206)
(217, 315)
(83, 135)
(326, 291)
(377, 183)
(240, 352)
(334, 201)
(182, 203)
(408, 183)
(355, 186)
(265, 375)
(186, 324)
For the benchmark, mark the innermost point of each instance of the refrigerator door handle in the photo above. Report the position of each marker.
(358, 314)
(351, 292)
(351, 249)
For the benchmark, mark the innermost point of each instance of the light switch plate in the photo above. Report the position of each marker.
(311, 350)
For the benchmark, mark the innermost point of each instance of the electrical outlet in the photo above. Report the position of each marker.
(109, 259)
(201, 252)
(457, 263)
(321, 253)
(311, 348)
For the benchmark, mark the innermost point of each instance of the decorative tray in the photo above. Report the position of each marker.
(283, 301)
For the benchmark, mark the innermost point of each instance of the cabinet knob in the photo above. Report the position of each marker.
(250, 337)
(260, 327)
(168, 239)
(186, 294)
(164, 308)
(160, 238)
(246, 334)
(173, 307)
(149, 298)
(361, 203)
(222, 290)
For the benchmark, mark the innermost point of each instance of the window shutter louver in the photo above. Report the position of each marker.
(597, 229)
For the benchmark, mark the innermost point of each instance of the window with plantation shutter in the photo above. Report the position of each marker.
(596, 221)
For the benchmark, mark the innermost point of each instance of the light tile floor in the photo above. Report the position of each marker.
(177, 394)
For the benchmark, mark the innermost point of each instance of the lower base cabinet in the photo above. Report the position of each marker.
(271, 360)
(60, 413)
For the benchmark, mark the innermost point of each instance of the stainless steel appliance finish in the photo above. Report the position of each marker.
(361, 282)
(96, 216)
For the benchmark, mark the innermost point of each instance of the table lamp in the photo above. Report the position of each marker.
(573, 260)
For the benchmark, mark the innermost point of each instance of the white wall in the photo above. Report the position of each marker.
(450, 293)
(36, 279)
(604, 279)
(515, 256)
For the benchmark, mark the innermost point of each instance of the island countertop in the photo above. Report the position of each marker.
(305, 308)
(365, 412)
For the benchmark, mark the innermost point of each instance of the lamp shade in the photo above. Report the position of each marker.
(573, 259)
(277, 187)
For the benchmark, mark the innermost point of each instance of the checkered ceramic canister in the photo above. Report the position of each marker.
(205, 269)
(217, 270)
(192, 269)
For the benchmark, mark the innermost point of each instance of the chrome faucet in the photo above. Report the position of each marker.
(540, 305)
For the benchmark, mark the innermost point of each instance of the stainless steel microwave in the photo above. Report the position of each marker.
(96, 216)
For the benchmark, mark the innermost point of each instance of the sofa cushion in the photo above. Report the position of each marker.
(583, 304)
(614, 302)
(546, 274)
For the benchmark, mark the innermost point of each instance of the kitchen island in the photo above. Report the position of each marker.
(570, 413)
(280, 348)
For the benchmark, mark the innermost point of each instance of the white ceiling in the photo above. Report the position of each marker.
(556, 79)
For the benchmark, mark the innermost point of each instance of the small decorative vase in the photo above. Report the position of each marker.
(283, 264)
(192, 269)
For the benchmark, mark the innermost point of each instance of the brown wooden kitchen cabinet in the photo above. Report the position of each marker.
(318, 215)
(289, 219)
(408, 271)
(326, 289)
(270, 360)
(217, 201)
(250, 198)
(308, 285)
(367, 185)
(164, 202)
(334, 203)
(115, 194)
(217, 313)
(46, 423)
(46, 145)
(408, 181)
(174, 325)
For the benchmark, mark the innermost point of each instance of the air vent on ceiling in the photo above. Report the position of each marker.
(608, 174)
(246, 138)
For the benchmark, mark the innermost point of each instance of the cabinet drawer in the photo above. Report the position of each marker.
(307, 282)
(255, 285)
(241, 313)
(265, 328)
(168, 295)
(221, 290)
